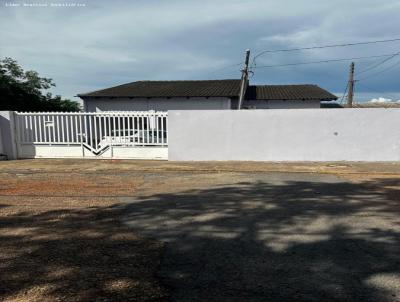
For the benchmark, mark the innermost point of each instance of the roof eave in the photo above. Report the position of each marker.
(314, 99)
(148, 97)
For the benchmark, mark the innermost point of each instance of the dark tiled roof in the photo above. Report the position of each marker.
(211, 88)
(288, 92)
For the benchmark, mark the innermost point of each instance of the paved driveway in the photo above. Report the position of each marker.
(272, 236)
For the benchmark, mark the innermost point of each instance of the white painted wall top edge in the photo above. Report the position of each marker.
(263, 111)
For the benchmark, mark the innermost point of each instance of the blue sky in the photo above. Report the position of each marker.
(106, 43)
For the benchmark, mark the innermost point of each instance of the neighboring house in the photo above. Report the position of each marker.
(286, 97)
(197, 95)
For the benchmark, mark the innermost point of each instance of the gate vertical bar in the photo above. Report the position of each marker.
(25, 128)
(31, 129)
(58, 129)
(76, 129)
(67, 124)
(90, 132)
(81, 134)
(52, 129)
(123, 129)
(35, 126)
(95, 132)
(161, 128)
(142, 129)
(62, 129)
(100, 118)
(40, 128)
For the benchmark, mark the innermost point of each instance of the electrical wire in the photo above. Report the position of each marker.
(344, 94)
(379, 72)
(378, 64)
(320, 47)
(324, 61)
(323, 46)
(254, 66)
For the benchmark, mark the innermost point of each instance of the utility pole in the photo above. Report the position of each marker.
(351, 86)
(245, 76)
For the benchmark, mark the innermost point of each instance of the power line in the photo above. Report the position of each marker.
(378, 64)
(344, 94)
(324, 61)
(379, 72)
(324, 46)
(316, 62)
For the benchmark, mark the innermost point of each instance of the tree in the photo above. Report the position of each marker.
(25, 90)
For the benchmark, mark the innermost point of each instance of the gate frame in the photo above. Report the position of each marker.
(113, 133)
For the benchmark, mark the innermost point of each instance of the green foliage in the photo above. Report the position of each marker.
(23, 90)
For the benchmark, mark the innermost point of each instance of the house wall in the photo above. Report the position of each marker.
(157, 104)
(282, 104)
(285, 135)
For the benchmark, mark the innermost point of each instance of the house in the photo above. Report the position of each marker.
(286, 96)
(198, 95)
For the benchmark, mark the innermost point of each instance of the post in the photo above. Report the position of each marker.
(9, 135)
(243, 84)
(351, 86)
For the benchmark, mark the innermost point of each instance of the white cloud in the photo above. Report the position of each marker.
(383, 100)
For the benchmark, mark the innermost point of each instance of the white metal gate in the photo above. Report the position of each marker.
(131, 134)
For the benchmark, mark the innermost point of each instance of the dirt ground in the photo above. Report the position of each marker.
(61, 239)
(111, 230)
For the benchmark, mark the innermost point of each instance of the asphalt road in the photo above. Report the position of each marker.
(272, 236)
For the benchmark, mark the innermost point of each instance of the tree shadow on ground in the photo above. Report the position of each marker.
(287, 241)
(75, 255)
(248, 241)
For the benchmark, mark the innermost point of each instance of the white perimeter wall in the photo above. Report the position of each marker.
(8, 144)
(157, 104)
(285, 135)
